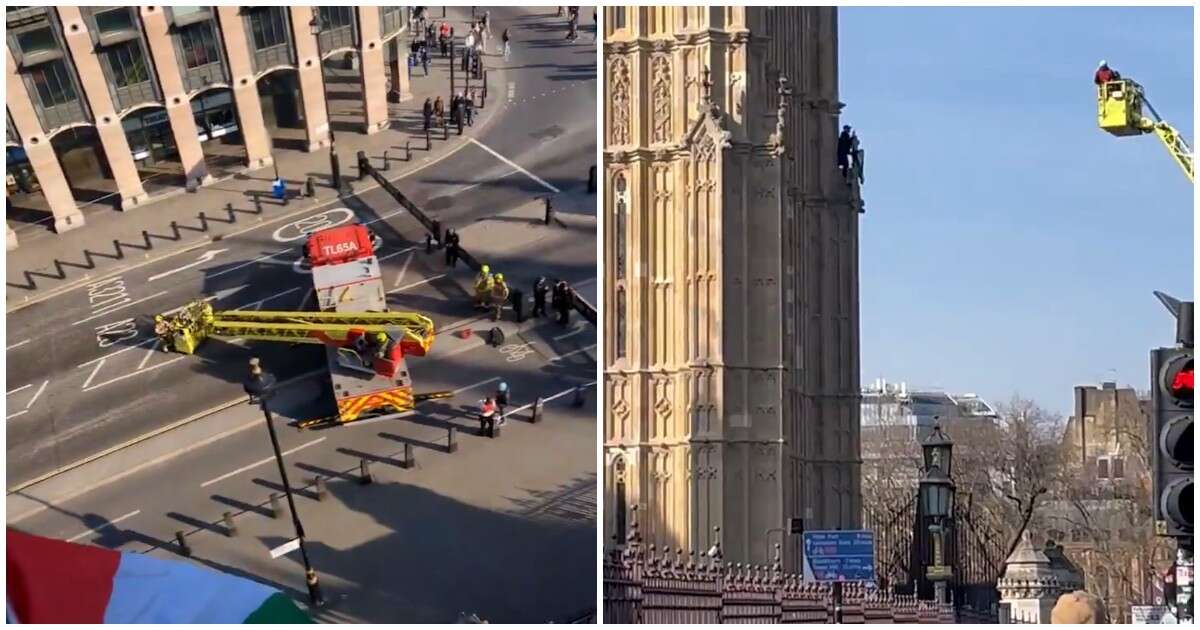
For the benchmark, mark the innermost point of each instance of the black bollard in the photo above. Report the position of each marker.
(549, 210)
(184, 549)
(536, 416)
(592, 179)
(387, 162)
(229, 207)
(408, 150)
(579, 398)
(445, 131)
(310, 187)
(364, 472)
(276, 509)
(230, 529)
(452, 439)
(319, 482)
(409, 459)
(428, 141)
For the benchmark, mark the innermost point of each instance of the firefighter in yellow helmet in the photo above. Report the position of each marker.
(499, 296)
(483, 287)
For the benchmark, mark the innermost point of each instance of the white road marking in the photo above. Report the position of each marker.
(514, 165)
(117, 308)
(259, 303)
(121, 378)
(37, 394)
(386, 216)
(256, 464)
(466, 348)
(14, 415)
(304, 300)
(104, 526)
(417, 284)
(205, 257)
(149, 353)
(394, 254)
(571, 334)
(10, 393)
(474, 385)
(219, 295)
(404, 269)
(115, 353)
(93, 374)
(546, 400)
(563, 356)
(18, 344)
(247, 264)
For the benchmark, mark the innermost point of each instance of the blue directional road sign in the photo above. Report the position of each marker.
(839, 556)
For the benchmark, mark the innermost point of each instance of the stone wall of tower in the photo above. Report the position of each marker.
(707, 421)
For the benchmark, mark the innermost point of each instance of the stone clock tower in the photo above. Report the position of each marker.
(731, 280)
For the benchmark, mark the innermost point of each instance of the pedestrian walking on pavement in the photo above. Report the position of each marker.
(540, 288)
(572, 32)
(469, 107)
(439, 110)
(454, 105)
(425, 59)
(487, 21)
(502, 400)
(427, 113)
(564, 303)
(506, 38)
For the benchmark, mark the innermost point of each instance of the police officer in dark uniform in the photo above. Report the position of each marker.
(540, 288)
(564, 302)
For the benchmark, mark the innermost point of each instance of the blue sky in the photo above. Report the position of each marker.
(1009, 244)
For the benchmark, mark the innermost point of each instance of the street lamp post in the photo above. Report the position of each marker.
(335, 168)
(260, 386)
(936, 496)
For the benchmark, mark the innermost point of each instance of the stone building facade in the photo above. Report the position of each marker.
(731, 280)
(111, 94)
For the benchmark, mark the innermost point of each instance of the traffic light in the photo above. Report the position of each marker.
(1172, 377)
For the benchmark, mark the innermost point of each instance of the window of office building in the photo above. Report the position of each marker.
(52, 83)
(336, 17)
(198, 43)
(392, 18)
(114, 21)
(36, 41)
(268, 27)
(126, 63)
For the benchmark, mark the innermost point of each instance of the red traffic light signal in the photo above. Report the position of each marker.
(1178, 381)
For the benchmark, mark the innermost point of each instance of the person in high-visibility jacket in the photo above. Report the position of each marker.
(499, 296)
(483, 287)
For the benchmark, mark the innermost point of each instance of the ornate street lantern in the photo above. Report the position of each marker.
(937, 450)
(936, 494)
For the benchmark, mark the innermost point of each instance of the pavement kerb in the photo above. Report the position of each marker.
(461, 142)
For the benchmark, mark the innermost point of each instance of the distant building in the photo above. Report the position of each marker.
(1101, 511)
(893, 406)
(126, 104)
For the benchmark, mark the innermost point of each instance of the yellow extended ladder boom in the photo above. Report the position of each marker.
(1120, 113)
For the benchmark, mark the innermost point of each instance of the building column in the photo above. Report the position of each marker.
(370, 67)
(40, 152)
(104, 111)
(312, 79)
(398, 70)
(179, 107)
(245, 89)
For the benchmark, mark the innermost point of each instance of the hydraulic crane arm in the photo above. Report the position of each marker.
(1121, 103)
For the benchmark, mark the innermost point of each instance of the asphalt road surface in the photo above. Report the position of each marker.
(85, 373)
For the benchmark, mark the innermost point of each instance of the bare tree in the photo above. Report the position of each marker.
(1028, 461)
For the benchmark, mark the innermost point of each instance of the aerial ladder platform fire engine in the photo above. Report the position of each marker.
(1121, 102)
(366, 345)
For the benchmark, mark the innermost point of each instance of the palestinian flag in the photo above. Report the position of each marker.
(51, 581)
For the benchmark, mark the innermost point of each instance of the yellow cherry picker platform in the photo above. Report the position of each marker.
(1121, 104)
